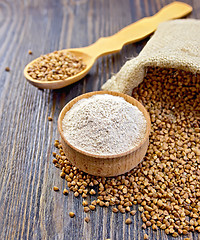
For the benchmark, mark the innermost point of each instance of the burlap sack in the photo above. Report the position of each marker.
(175, 44)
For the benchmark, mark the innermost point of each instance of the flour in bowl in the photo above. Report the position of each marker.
(104, 125)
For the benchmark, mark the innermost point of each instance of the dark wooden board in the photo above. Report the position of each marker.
(29, 209)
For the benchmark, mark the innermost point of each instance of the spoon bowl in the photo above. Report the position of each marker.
(130, 34)
(56, 84)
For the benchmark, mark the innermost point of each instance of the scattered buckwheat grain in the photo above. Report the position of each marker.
(146, 237)
(84, 203)
(87, 219)
(65, 192)
(86, 209)
(128, 221)
(55, 188)
(133, 212)
(71, 214)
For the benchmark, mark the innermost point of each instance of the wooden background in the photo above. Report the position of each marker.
(29, 209)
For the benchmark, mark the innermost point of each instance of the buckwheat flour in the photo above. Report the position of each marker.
(175, 44)
(104, 125)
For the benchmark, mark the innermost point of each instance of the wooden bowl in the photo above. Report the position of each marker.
(105, 165)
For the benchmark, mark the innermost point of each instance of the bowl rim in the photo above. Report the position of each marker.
(90, 94)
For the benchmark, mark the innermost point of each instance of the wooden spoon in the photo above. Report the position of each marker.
(132, 33)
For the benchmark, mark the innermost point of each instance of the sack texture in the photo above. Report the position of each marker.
(175, 44)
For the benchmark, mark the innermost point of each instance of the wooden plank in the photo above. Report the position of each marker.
(29, 209)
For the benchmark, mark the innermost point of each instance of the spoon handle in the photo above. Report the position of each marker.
(136, 31)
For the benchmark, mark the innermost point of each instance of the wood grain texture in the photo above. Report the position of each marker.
(29, 209)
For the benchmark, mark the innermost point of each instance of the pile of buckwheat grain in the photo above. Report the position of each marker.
(166, 184)
(56, 66)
